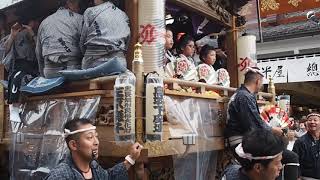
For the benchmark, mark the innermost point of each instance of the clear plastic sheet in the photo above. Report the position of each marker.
(39, 146)
(194, 117)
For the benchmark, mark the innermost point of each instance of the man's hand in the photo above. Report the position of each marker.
(15, 29)
(135, 151)
(277, 131)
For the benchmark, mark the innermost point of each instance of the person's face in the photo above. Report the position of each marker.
(272, 171)
(313, 123)
(210, 58)
(188, 51)
(302, 126)
(169, 40)
(34, 24)
(98, 2)
(88, 144)
(74, 6)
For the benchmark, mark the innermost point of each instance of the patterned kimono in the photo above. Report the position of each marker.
(58, 42)
(105, 35)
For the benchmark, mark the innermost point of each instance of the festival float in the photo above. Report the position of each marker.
(180, 123)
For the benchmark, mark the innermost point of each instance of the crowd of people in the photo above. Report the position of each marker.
(193, 61)
(261, 149)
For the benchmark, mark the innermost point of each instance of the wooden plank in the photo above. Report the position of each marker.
(200, 7)
(104, 93)
(163, 148)
(190, 95)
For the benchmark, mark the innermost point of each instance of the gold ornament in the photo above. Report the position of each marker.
(267, 5)
(295, 3)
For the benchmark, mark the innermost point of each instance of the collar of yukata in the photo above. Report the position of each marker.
(240, 152)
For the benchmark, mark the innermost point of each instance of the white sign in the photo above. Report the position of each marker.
(277, 70)
(305, 68)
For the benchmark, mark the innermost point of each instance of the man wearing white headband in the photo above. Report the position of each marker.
(82, 140)
(260, 155)
(244, 116)
(308, 149)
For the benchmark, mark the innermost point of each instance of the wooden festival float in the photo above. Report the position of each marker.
(189, 131)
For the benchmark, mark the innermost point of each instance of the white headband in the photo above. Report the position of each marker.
(313, 114)
(242, 154)
(250, 69)
(67, 132)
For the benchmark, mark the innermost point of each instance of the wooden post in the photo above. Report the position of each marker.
(131, 7)
(232, 63)
(138, 70)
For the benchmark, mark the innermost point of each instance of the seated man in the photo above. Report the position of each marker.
(105, 34)
(58, 40)
(82, 140)
(259, 161)
(308, 148)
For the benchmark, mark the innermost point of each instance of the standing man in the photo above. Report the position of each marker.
(105, 34)
(308, 149)
(244, 116)
(58, 40)
(82, 140)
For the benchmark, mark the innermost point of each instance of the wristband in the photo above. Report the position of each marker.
(130, 160)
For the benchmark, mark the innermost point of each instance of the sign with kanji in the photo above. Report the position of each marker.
(278, 70)
(291, 70)
(304, 69)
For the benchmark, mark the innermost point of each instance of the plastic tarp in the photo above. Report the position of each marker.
(193, 117)
(38, 146)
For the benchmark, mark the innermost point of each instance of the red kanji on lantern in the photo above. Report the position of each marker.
(148, 33)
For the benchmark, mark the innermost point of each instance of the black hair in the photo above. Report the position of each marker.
(205, 50)
(260, 143)
(251, 76)
(74, 125)
(183, 42)
(64, 2)
(169, 28)
(3, 16)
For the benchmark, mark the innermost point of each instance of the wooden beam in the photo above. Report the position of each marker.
(204, 9)
(131, 8)
(232, 63)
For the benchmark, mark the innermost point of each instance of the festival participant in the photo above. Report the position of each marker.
(208, 55)
(259, 161)
(58, 40)
(186, 48)
(243, 116)
(105, 34)
(308, 149)
(169, 57)
(21, 61)
(81, 164)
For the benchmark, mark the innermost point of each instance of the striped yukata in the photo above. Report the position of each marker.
(105, 35)
(58, 42)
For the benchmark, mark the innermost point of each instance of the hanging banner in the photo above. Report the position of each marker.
(277, 70)
(304, 69)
